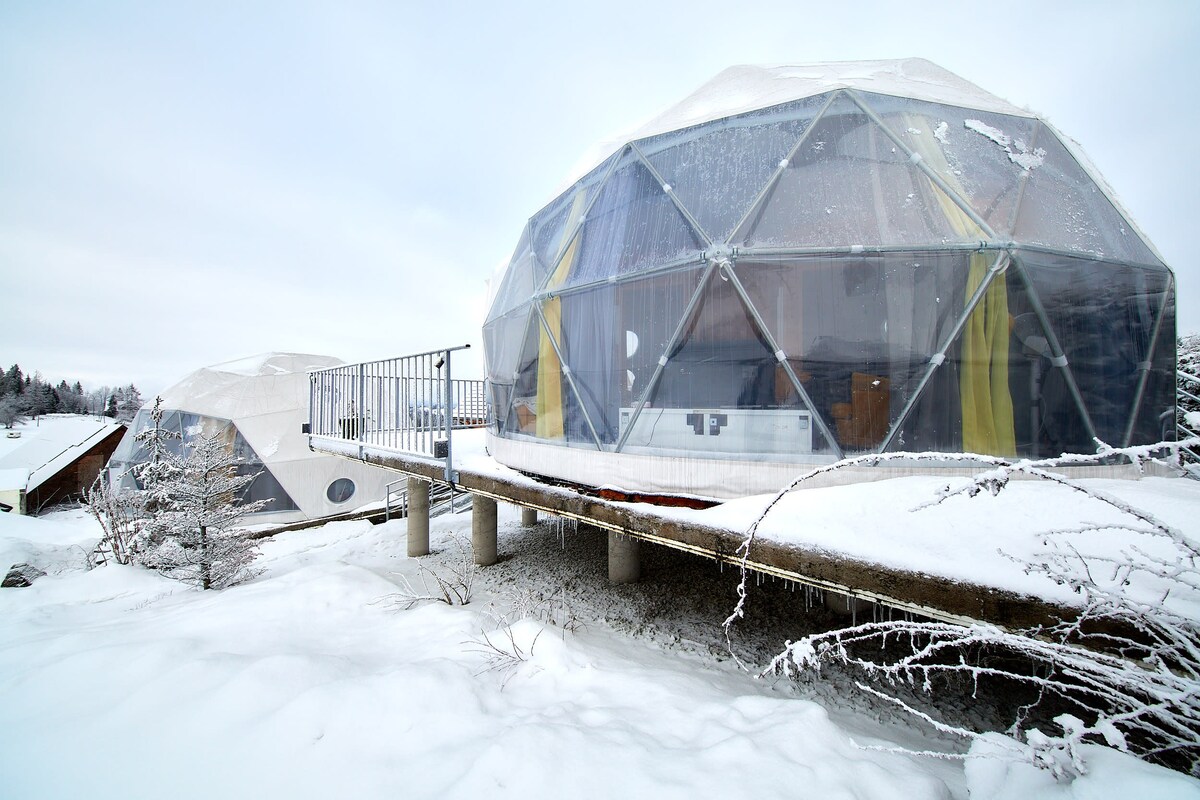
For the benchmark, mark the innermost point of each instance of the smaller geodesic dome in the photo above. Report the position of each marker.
(259, 405)
(801, 263)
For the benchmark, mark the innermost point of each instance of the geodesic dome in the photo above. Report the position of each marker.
(258, 405)
(796, 264)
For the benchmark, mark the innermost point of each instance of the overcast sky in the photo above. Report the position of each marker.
(188, 183)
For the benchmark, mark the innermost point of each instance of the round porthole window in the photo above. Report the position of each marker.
(340, 490)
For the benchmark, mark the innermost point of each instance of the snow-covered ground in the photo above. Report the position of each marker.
(309, 682)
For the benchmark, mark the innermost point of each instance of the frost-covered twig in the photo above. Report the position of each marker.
(501, 651)
(454, 588)
(1127, 667)
(993, 480)
(118, 513)
(550, 609)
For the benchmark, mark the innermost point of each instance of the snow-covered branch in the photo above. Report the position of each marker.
(1124, 672)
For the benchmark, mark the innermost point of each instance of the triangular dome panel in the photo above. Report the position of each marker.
(1154, 419)
(847, 185)
(516, 399)
(1104, 317)
(981, 155)
(633, 225)
(718, 170)
(723, 379)
(503, 336)
(553, 227)
(859, 334)
(1063, 208)
(519, 281)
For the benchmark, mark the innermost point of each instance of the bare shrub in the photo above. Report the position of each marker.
(1124, 672)
(119, 515)
(454, 585)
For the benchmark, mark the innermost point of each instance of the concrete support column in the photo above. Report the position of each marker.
(418, 518)
(483, 529)
(528, 516)
(624, 558)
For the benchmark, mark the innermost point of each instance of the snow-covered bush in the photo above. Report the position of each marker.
(1124, 672)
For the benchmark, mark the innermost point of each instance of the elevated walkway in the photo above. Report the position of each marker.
(896, 588)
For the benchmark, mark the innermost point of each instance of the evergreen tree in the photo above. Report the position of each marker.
(195, 511)
(42, 397)
(190, 494)
(128, 403)
(110, 410)
(14, 381)
(161, 466)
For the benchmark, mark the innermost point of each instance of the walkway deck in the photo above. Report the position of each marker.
(928, 595)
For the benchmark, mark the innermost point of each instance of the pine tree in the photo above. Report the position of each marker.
(161, 467)
(128, 403)
(195, 508)
(14, 381)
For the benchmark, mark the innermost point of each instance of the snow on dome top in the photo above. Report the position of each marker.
(259, 384)
(275, 364)
(744, 88)
(747, 87)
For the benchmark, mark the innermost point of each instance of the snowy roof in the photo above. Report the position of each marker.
(48, 444)
(13, 478)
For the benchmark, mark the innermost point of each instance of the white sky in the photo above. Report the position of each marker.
(183, 184)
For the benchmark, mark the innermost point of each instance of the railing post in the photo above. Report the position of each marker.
(447, 396)
(312, 396)
(362, 416)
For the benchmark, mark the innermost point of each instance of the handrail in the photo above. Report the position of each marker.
(410, 404)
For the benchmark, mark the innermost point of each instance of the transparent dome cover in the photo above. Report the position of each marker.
(870, 265)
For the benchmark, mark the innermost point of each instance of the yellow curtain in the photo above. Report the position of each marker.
(549, 405)
(987, 412)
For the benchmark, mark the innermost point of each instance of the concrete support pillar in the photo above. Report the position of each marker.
(483, 529)
(528, 516)
(418, 518)
(624, 558)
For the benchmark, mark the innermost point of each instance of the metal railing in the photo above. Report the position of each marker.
(410, 404)
(444, 498)
(395, 500)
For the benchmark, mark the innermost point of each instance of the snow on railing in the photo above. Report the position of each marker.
(409, 404)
